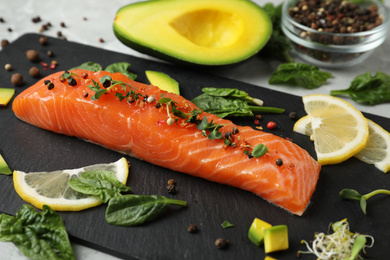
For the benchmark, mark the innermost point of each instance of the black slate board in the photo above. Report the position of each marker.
(29, 148)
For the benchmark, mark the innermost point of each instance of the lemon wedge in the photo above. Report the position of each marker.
(51, 188)
(376, 151)
(339, 130)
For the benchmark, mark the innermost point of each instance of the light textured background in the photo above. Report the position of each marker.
(100, 16)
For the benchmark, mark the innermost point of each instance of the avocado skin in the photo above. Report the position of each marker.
(133, 44)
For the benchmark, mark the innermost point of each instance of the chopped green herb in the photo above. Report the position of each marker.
(368, 89)
(299, 74)
(122, 67)
(211, 127)
(226, 224)
(170, 103)
(259, 150)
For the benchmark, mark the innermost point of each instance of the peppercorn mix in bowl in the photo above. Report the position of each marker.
(335, 33)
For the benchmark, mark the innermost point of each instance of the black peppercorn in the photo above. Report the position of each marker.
(50, 86)
(222, 243)
(72, 82)
(171, 189)
(235, 130)
(279, 162)
(293, 115)
(158, 105)
(192, 228)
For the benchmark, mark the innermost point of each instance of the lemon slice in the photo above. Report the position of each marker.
(51, 188)
(339, 130)
(377, 149)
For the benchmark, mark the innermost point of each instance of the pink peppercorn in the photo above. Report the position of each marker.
(271, 125)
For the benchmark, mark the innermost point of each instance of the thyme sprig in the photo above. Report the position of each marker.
(108, 84)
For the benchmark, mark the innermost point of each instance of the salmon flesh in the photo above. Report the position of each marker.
(126, 119)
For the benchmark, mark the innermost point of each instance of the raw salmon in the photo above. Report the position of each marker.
(137, 127)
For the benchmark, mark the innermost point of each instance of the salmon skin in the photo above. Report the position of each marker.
(136, 126)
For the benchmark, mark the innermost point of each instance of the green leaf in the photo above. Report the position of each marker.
(4, 169)
(299, 74)
(226, 224)
(358, 245)
(102, 184)
(132, 210)
(368, 89)
(105, 79)
(98, 94)
(350, 194)
(363, 205)
(226, 92)
(122, 67)
(92, 66)
(164, 100)
(37, 235)
(259, 150)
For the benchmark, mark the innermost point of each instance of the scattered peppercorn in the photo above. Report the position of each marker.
(62, 24)
(170, 121)
(258, 117)
(84, 75)
(85, 95)
(9, 29)
(250, 156)
(235, 130)
(43, 40)
(158, 105)
(50, 53)
(150, 99)
(171, 189)
(192, 228)
(17, 79)
(85, 18)
(32, 55)
(293, 115)
(46, 81)
(72, 82)
(34, 72)
(171, 182)
(4, 43)
(279, 162)
(257, 121)
(234, 145)
(2, 20)
(8, 67)
(222, 243)
(228, 135)
(50, 86)
(271, 125)
(101, 40)
(36, 19)
(59, 33)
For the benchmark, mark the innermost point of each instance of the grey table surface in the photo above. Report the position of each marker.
(17, 15)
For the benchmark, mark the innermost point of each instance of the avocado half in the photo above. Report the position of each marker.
(197, 32)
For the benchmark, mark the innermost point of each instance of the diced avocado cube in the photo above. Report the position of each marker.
(5, 95)
(269, 258)
(276, 238)
(4, 169)
(256, 231)
(163, 81)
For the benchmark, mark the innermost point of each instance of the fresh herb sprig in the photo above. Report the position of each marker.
(368, 89)
(213, 129)
(108, 84)
(172, 107)
(350, 194)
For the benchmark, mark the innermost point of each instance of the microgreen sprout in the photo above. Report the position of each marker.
(342, 244)
(211, 127)
(351, 194)
(108, 84)
(173, 105)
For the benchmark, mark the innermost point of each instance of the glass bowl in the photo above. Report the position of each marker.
(325, 48)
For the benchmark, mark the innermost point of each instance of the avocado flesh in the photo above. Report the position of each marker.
(6, 95)
(4, 169)
(202, 32)
(276, 238)
(256, 231)
(163, 81)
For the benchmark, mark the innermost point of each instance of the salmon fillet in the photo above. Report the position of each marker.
(139, 129)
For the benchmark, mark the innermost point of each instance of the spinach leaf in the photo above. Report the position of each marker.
(278, 46)
(89, 65)
(223, 107)
(232, 93)
(122, 67)
(210, 126)
(132, 210)
(103, 184)
(369, 89)
(37, 235)
(301, 74)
